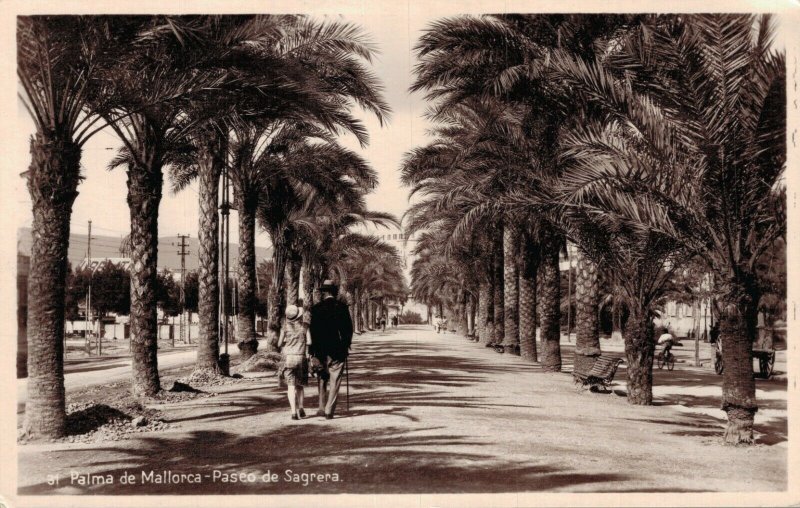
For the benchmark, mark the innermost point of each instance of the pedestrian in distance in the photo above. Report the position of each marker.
(666, 340)
(331, 335)
(294, 342)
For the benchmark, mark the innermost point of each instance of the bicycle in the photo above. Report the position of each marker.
(668, 359)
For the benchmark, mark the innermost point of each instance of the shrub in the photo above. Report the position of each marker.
(411, 318)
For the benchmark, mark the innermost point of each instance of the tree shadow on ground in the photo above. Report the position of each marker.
(385, 460)
(773, 431)
(713, 401)
(402, 375)
(698, 378)
(388, 377)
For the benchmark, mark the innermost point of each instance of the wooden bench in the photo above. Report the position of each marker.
(600, 374)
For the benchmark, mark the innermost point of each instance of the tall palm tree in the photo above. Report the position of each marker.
(297, 213)
(470, 163)
(144, 99)
(272, 184)
(372, 270)
(587, 312)
(706, 101)
(265, 82)
(507, 57)
(529, 260)
(327, 235)
(58, 57)
(332, 55)
(510, 286)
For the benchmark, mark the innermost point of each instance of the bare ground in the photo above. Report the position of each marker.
(435, 413)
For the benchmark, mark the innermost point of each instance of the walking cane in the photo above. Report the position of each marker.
(347, 384)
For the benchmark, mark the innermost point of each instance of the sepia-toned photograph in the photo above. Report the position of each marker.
(399, 250)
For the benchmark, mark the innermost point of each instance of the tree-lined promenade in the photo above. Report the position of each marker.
(653, 143)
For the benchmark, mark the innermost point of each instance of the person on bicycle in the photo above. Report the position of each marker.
(667, 340)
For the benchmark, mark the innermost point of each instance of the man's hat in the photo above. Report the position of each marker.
(293, 312)
(328, 285)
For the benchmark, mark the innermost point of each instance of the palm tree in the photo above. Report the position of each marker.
(296, 208)
(472, 161)
(371, 270)
(143, 100)
(706, 102)
(323, 236)
(510, 286)
(58, 57)
(266, 83)
(273, 184)
(587, 312)
(332, 55)
(507, 57)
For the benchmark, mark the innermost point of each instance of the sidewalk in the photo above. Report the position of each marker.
(435, 413)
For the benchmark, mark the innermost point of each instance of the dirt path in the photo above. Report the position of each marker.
(435, 413)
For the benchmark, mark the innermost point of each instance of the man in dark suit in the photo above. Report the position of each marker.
(331, 334)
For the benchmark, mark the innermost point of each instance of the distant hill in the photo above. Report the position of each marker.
(108, 247)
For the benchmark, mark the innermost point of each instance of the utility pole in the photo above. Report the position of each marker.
(88, 315)
(182, 253)
(224, 250)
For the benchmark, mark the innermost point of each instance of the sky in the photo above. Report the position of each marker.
(102, 195)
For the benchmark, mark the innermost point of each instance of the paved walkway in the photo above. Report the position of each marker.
(437, 414)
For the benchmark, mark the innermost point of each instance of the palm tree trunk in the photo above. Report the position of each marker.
(738, 330)
(246, 316)
(527, 301)
(144, 196)
(639, 351)
(499, 330)
(471, 315)
(484, 307)
(292, 280)
(356, 309)
(616, 318)
(549, 300)
(462, 326)
(348, 295)
(209, 169)
(365, 311)
(53, 179)
(587, 322)
(279, 255)
(510, 288)
(308, 285)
